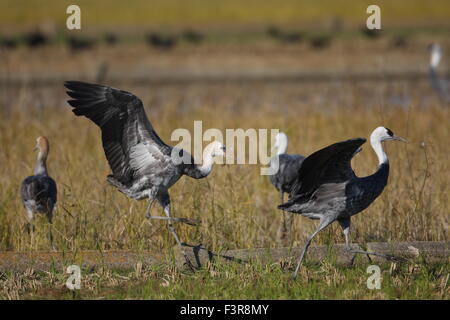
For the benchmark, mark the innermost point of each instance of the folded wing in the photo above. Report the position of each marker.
(330, 165)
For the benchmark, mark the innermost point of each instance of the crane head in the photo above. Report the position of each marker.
(384, 134)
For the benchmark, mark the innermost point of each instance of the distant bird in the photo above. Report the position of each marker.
(143, 166)
(400, 41)
(193, 36)
(102, 72)
(320, 42)
(8, 42)
(110, 38)
(164, 42)
(371, 33)
(36, 39)
(38, 192)
(438, 83)
(327, 188)
(282, 36)
(286, 167)
(76, 44)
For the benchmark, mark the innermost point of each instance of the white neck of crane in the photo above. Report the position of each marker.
(281, 144)
(41, 165)
(435, 58)
(378, 148)
(208, 161)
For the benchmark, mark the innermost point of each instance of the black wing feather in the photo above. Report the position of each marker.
(328, 165)
(289, 166)
(122, 119)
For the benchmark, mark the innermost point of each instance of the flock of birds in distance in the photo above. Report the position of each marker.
(320, 186)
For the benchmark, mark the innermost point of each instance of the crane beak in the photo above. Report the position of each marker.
(398, 138)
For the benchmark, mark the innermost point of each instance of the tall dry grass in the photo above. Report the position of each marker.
(236, 205)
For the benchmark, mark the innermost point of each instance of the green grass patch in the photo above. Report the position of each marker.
(253, 281)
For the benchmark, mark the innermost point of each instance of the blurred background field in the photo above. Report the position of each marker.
(177, 13)
(309, 68)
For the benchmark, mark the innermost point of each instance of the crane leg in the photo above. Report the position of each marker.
(324, 222)
(29, 226)
(149, 206)
(177, 239)
(289, 222)
(50, 232)
(284, 233)
(148, 215)
(164, 201)
(345, 225)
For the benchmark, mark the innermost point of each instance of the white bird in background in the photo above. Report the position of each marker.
(143, 166)
(288, 166)
(38, 192)
(327, 189)
(441, 85)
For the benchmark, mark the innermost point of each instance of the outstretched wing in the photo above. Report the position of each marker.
(131, 145)
(328, 165)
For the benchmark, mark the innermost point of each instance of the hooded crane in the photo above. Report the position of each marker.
(286, 167)
(439, 84)
(143, 166)
(38, 192)
(327, 189)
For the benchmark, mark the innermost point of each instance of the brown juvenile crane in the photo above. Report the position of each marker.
(38, 192)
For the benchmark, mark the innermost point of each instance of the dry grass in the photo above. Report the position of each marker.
(237, 206)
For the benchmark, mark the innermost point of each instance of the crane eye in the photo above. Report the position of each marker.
(389, 132)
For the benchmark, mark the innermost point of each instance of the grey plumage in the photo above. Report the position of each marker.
(286, 166)
(142, 165)
(289, 165)
(439, 84)
(39, 192)
(326, 188)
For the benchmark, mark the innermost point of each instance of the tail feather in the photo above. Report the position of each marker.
(116, 183)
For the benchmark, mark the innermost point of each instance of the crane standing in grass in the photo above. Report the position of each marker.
(38, 192)
(286, 166)
(441, 85)
(143, 166)
(327, 189)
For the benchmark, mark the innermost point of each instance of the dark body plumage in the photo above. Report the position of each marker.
(283, 180)
(39, 194)
(327, 185)
(289, 166)
(326, 188)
